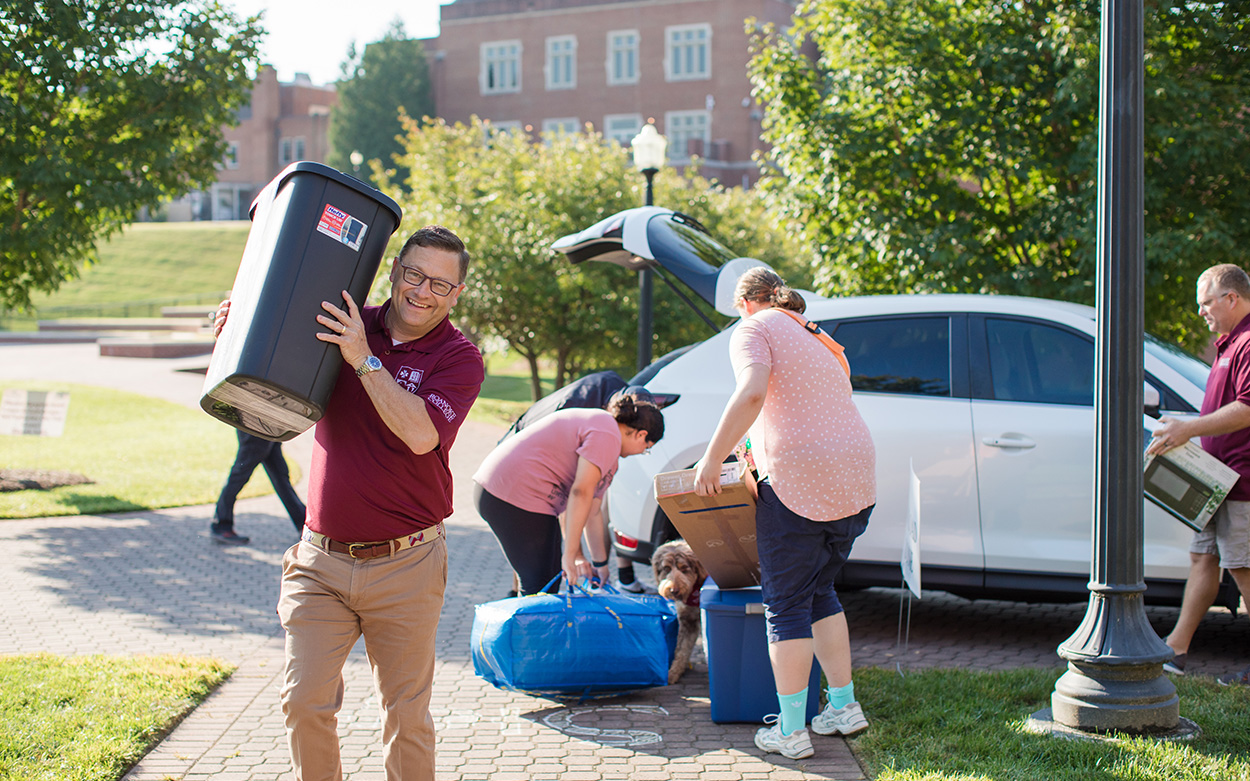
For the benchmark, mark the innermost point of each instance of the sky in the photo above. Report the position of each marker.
(312, 36)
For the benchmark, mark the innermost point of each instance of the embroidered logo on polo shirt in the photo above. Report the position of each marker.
(442, 405)
(409, 378)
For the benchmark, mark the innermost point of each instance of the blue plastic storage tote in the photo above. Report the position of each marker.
(576, 644)
(740, 679)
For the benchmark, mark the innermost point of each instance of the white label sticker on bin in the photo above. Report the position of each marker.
(341, 226)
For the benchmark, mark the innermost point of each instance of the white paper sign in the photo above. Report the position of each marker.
(910, 560)
(33, 413)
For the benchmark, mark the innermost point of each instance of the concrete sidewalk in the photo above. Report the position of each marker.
(153, 582)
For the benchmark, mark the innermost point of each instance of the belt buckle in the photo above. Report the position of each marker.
(355, 546)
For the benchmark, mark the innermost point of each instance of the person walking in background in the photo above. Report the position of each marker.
(255, 451)
(1223, 427)
(816, 486)
(373, 557)
(562, 463)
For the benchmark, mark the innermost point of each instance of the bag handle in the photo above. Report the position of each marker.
(838, 350)
(597, 598)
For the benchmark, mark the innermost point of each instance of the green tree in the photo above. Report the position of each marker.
(510, 199)
(952, 146)
(106, 108)
(390, 77)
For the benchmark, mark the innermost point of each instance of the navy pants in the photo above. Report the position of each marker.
(799, 561)
(533, 543)
(253, 452)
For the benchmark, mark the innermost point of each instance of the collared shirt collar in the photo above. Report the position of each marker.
(1238, 330)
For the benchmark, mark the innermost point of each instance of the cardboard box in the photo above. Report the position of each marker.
(1189, 483)
(720, 529)
(740, 678)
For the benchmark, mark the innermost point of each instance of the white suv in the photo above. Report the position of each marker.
(988, 398)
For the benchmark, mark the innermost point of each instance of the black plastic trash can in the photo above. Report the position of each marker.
(315, 232)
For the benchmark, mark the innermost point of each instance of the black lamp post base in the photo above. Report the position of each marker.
(1043, 723)
(1115, 677)
(1135, 698)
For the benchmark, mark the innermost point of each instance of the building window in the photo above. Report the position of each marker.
(623, 57)
(689, 132)
(290, 150)
(687, 52)
(499, 127)
(622, 127)
(561, 67)
(561, 125)
(501, 67)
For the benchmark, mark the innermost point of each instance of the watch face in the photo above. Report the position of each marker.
(371, 364)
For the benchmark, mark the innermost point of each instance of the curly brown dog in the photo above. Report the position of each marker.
(679, 576)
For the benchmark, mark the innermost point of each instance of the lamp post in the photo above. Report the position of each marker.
(1114, 680)
(356, 159)
(649, 147)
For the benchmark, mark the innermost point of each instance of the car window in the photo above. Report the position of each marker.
(1181, 362)
(897, 354)
(1038, 363)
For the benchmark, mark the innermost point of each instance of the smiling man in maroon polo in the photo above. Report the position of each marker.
(373, 559)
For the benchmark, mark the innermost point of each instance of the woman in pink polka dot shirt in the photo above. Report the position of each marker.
(816, 468)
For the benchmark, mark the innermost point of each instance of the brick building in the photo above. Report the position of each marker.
(545, 65)
(283, 123)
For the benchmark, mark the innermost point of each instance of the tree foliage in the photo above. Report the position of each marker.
(952, 146)
(106, 108)
(510, 199)
(389, 77)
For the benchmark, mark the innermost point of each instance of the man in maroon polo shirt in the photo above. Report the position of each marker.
(373, 560)
(1224, 428)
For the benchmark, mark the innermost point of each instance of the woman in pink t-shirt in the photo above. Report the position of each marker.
(563, 463)
(816, 488)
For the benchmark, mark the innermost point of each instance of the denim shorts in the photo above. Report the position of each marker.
(799, 559)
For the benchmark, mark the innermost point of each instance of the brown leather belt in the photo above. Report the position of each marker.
(373, 550)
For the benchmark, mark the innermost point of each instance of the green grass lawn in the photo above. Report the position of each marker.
(91, 718)
(955, 725)
(156, 261)
(141, 453)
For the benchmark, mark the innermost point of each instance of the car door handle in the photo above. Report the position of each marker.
(1014, 443)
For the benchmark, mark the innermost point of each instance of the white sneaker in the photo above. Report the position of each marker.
(796, 745)
(632, 588)
(846, 721)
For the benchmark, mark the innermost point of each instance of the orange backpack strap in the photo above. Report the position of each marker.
(838, 350)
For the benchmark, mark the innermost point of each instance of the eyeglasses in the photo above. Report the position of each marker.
(1208, 303)
(439, 287)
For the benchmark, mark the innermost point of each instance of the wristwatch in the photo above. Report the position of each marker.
(371, 364)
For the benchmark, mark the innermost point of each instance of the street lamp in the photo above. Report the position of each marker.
(649, 147)
(356, 159)
(1114, 681)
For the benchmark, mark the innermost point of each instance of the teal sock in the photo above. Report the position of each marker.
(841, 696)
(793, 711)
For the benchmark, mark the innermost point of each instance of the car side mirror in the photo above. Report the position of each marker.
(1150, 401)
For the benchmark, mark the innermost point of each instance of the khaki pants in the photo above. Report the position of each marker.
(327, 601)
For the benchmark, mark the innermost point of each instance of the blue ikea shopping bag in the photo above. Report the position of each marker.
(576, 644)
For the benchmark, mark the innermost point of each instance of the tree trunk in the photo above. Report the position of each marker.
(562, 364)
(536, 383)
